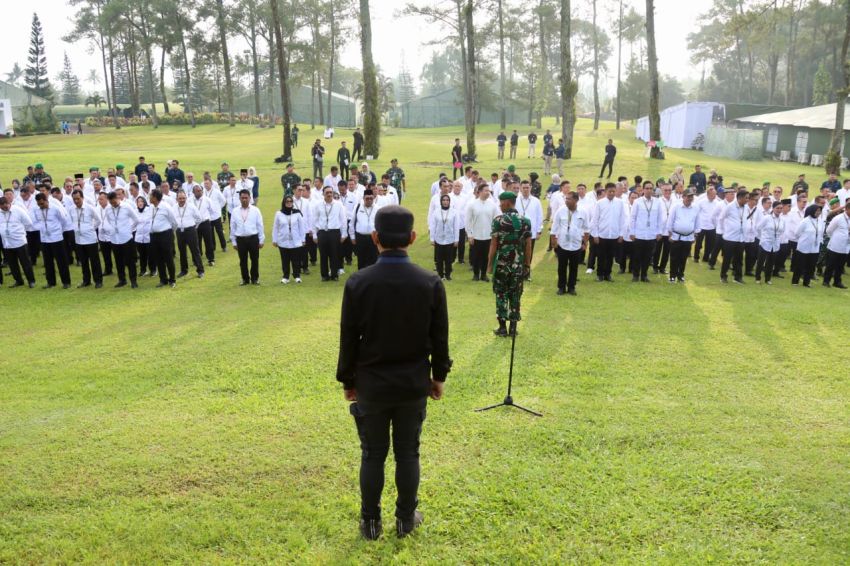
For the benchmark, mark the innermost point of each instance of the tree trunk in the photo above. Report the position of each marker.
(541, 103)
(832, 162)
(619, 60)
(464, 70)
(473, 79)
(255, 63)
(595, 72)
(272, 119)
(112, 79)
(652, 60)
(789, 59)
(225, 56)
(188, 80)
(283, 72)
(109, 92)
(162, 91)
(331, 62)
(321, 101)
(569, 87)
(313, 100)
(372, 111)
(502, 85)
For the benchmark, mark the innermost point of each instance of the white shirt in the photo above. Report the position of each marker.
(770, 230)
(752, 217)
(246, 184)
(162, 218)
(217, 201)
(104, 230)
(143, 228)
(460, 202)
(435, 187)
(479, 218)
(288, 230)
(329, 217)
(51, 222)
(569, 227)
(556, 202)
(246, 222)
(842, 195)
(809, 236)
(707, 213)
(839, 234)
(734, 222)
(305, 206)
(434, 206)
(608, 219)
(646, 219)
(123, 220)
(86, 221)
(231, 197)
(14, 224)
(792, 221)
(204, 207)
(683, 223)
(187, 216)
(532, 209)
(666, 209)
(363, 221)
(333, 182)
(443, 227)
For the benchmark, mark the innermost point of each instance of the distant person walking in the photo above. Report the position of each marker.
(610, 154)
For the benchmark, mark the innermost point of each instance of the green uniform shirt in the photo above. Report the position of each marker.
(289, 181)
(396, 176)
(223, 178)
(511, 231)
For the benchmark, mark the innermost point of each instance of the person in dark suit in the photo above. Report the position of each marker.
(393, 355)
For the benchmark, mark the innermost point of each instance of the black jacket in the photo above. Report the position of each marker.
(394, 332)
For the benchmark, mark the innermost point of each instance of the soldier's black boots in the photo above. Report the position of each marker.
(502, 331)
(512, 331)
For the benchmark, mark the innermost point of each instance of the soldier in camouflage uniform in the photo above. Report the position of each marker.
(509, 261)
(289, 180)
(397, 180)
(223, 177)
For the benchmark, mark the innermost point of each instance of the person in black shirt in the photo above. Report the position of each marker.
(610, 153)
(532, 145)
(358, 146)
(343, 157)
(141, 167)
(514, 144)
(393, 355)
(318, 154)
(500, 140)
(698, 180)
(457, 159)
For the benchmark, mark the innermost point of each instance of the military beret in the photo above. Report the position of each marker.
(119, 166)
(39, 166)
(511, 168)
(93, 168)
(507, 195)
(833, 200)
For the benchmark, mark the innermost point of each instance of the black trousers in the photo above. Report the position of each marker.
(834, 267)
(567, 268)
(733, 254)
(290, 257)
(317, 169)
(642, 256)
(366, 250)
(478, 252)
(329, 253)
(33, 246)
(680, 250)
(187, 239)
(217, 226)
(605, 253)
(70, 244)
(54, 253)
(206, 240)
(609, 163)
(357, 153)
(764, 263)
(125, 259)
(715, 249)
(707, 238)
(346, 251)
(90, 262)
(591, 254)
(249, 246)
(106, 253)
(19, 260)
(162, 254)
(661, 254)
(311, 250)
(444, 257)
(145, 261)
(785, 251)
(344, 171)
(751, 253)
(804, 266)
(374, 421)
(461, 246)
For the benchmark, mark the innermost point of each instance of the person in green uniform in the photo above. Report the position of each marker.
(509, 261)
(289, 180)
(397, 180)
(293, 135)
(223, 177)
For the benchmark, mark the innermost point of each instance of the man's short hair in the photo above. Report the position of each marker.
(394, 225)
(244, 192)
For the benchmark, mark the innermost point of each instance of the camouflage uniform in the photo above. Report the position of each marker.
(512, 231)
(289, 181)
(223, 178)
(396, 175)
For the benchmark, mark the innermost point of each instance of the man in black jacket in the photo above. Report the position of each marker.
(610, 154)
(393, 355)
(358, 146)
(343, 157)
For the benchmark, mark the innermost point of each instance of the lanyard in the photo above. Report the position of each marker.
(570, 220)
(153, 216)
(648, 210)
(328, 216)
(445, 218)
(8, 216)
(182, 210)
(44, 215)
(776, 228)
(524, 204)
(79, 218)
(816, 224)
(116, 212)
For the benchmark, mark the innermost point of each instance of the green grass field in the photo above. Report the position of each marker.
(683, 424)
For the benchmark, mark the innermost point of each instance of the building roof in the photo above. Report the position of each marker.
(18, 96)
(817, 117)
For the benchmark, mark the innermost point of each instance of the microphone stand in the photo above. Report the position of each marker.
(509, 400)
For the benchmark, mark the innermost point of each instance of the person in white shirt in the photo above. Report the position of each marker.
(843, 194)
(569, 236)
(142, 237)
(479, 224)
(104, 232)
(163, 224)
(288, 234)
(86, 222)
(303, 203)
(706, 218)
(231, 197)
(529, 206)
(330, 228)
(58, 198)
(188, 219)
(661, 254)
(435, 186)
(733, 221)
(348, 200)
(837, 249)
(26, 200)
(809, 237)
(206, 210)
(362, 226)
(723, 202)
(770, 231)
(444, 233)
(752, 217)
(332, 179)
(123, 221)
(682, 226)
(14, 224)
(645, 231)
(189, 184)
(434, 206)
(460, 202)
(219, 204)
(606, 229)
(248, 237)
(51, 222)
(245, 183)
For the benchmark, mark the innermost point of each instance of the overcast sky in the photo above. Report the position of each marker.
(393, 38)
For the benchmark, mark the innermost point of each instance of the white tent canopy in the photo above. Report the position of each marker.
(680, 124)
(5, 116)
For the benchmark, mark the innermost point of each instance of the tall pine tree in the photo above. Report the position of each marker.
(70, 83)
(36, 80)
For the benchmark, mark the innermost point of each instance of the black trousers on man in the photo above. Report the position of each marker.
(715, 250)
(346, 252)
(609, 163)
(764, 263)
(444, 257)
(162, 254)
(125, 260)
(680, 250)
(54, 253)
(785, 251)
(605, 253)
(206, 240)
(18, 260)
(249, 246)
(187, 243)
(461, 246)
(357, 153)
(310, 251)
(706, 237)
(374, 421)
(641, 257)
(733, 254)
(69, 245)
(366, 250)
(804, 267)
(567, 268)
(217, 226)
(751, 254)
(834, 268)
(661, 254)
(329, 254)
(344, 171)
(478, 255)
(90, 263)
(33, 246)
(106, 254)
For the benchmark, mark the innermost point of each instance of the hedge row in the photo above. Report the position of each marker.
(174, 119)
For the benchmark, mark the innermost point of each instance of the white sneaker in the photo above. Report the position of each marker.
(284, 280)
(298, 280)
(589, 270)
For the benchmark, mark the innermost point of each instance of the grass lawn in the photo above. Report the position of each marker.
(683, 424)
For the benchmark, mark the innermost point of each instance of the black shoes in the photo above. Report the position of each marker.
(371, 529)
(485, 279)
(182, 274)
(404, 528)
(243, 283)
(476, 278)
(571, 292)
(134, 285)
(98, 285)
(561, 292)
(121, 284)
(502, 331)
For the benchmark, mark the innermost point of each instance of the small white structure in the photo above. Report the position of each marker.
(5, 117)
(681, 124)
